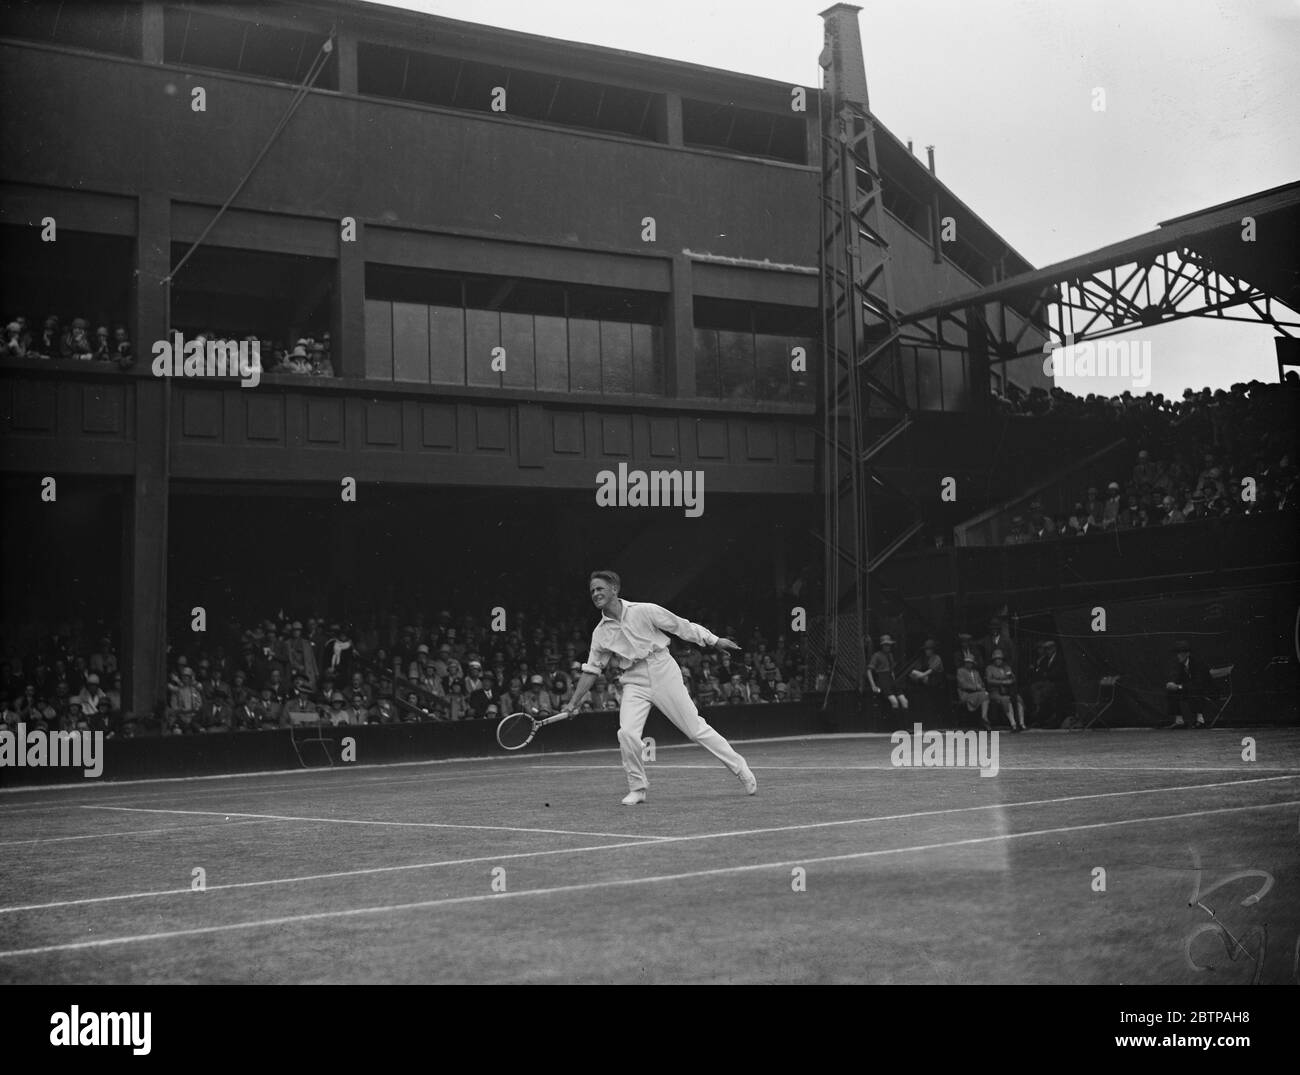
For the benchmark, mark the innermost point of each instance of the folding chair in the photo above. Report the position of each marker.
(1223, 689)
(1106, 692)
(308, 723)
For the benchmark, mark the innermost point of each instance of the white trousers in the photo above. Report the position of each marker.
(657, 681)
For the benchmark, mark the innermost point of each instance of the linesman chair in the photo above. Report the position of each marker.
(304, 728)
(1222, 678)
(1107, 689)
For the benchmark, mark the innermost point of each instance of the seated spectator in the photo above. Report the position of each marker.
(46, 343)
(709, 691)
(301, 705)
(880, 675)
(971, 692)
(384, 711)
(1111, 507)
(185, 705)
(1020, 534)
(14, 346)
(320, 364)
(88, 699)
(122, 347)
(75, 342)
(967, 648)
(537, 699)
(339, 711)
(1001, 682)
(929, 678)
(736, 691)
(102, 348)
(1187, 686)
(358, 694)
(1047, 686)
(1171, 514)
(218, 714)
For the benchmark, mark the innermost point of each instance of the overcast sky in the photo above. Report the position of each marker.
(1202, 106)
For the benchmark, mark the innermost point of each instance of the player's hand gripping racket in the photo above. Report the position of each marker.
(517, 730)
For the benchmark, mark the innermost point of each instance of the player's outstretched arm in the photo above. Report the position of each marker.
(585, 682)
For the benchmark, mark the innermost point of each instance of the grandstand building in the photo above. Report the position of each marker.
(638, 237)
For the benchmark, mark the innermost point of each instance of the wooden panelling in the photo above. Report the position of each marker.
(663, 438)
(383, 424)
(200, 414)
(324, 421)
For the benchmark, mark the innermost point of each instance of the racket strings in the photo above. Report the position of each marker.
(515, 730)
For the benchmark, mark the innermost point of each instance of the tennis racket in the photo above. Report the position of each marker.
(517, 730)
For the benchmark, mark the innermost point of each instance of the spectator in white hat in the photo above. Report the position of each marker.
(89, 697)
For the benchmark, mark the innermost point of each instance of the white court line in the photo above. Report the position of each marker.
(619, 883)
(336, 772)
(123, 832)
(638, 842)
(1243, 768)
(394, 824)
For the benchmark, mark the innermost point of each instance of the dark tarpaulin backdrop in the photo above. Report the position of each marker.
(1253, 630)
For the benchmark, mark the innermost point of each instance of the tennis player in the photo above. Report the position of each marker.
(632, 635)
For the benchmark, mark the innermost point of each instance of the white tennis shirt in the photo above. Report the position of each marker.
(640, 632)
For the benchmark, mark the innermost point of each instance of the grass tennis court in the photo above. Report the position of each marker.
(912, 875)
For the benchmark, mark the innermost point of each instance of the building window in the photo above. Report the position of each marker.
(247, 47)
(502, 332)
(99, 27)
(744, 131)
(447, 82)
(749, 351)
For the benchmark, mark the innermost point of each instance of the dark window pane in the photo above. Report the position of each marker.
(723, 314)
(616, 357)
(483, 333)
(517, 339)
(706, 364)
(551, 347)
(774, 360)
(213, 42)
(447, 345)
(379, 340)
(410, 342)
(908, 365)
(584, 355)
(648, 359)
(929, 392)
(954, 380)
(101, 27)
(736, 364)
(610, 304)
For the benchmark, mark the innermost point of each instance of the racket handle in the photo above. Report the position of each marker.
(565, 715)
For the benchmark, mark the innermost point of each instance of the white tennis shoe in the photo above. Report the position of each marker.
(748, 779)
(634, 798)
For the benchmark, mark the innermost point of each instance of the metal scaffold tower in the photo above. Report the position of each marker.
(860, 332)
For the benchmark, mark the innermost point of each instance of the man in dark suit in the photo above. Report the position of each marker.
(1187, 683)
(1048, 694)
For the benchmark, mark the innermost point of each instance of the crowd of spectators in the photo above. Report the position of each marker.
(309, 356)
(108, 343)
(284, 671)
(1212, 455)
